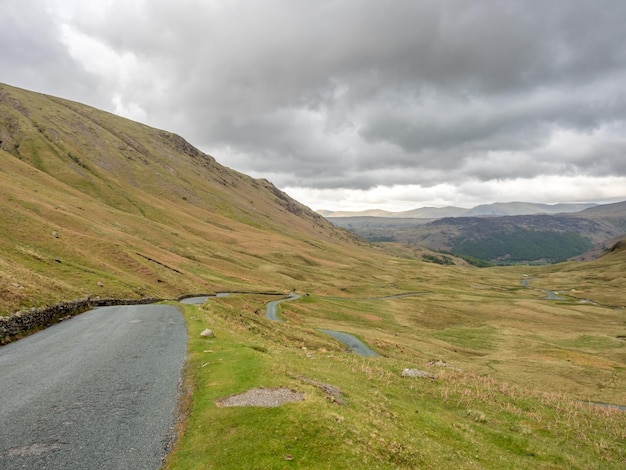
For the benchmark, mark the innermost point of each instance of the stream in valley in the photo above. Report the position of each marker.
(550, 295)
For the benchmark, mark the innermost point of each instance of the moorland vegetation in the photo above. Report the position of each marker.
(94, 205)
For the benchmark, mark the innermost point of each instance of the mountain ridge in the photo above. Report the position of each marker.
(494, 209)
(519, 238)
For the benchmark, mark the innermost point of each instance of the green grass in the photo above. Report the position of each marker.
(471, 338)
(592, 343)
(461, 420)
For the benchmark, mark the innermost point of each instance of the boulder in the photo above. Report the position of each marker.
(207, 334)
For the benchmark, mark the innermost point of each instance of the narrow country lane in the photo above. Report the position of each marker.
(271, 311)
(353, 343)
(98, 391)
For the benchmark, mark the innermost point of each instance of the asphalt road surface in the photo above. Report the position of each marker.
(271, 311)
(349, 340)
(97, 391)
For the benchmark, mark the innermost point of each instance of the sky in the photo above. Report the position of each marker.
(354, 104)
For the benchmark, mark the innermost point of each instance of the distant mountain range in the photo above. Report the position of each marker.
(495, 209)
(502, 239)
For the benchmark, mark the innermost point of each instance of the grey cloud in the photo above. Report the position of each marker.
(487, 123)
(360, 93)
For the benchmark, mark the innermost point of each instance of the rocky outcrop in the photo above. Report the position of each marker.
(25, 322)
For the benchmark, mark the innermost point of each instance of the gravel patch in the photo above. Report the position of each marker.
(264, 397)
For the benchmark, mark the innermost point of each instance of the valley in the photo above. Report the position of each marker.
(501, 239)
(96, 206)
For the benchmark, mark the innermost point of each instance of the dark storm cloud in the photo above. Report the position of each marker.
(362, 93)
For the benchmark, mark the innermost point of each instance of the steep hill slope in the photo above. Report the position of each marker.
(94, 204)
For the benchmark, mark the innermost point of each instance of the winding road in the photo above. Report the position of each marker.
(96, 391)
(353, 343)
(271, 311)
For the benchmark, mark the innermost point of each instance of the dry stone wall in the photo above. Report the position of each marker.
(24, 322)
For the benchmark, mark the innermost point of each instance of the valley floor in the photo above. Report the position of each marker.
(508, 377)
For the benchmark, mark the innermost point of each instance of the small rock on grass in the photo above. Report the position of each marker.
(207, 334)
(422, 374)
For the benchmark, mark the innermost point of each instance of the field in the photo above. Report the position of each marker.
(514, 375)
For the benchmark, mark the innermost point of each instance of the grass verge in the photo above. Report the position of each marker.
(459, 420)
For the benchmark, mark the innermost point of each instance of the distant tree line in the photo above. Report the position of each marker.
(443, 259)
(522, 246)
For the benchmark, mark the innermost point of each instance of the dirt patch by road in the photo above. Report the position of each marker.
(264, 397)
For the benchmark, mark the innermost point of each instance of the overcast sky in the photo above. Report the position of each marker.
(354, 104)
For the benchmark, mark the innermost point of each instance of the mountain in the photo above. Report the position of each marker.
(94, 204)
(495, 209)
(538, 238)
(366, 213)
(613, 211)
(524, 208)
(433, 212)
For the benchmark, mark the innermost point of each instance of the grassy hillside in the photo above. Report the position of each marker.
(95, 205)
(601, 281)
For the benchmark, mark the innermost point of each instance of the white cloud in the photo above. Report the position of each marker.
(547, 190)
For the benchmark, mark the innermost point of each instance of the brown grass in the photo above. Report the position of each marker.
(137, 212)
